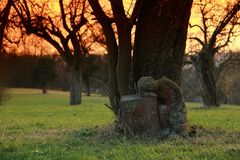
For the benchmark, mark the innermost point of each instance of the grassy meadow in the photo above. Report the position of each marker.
(34, 126)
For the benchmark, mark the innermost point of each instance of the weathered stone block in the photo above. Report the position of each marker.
(139, 114)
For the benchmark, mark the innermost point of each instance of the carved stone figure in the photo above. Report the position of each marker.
(159, 107)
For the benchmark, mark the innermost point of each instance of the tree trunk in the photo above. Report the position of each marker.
(204, 71)
(75, 83)
(160, 39)
(44, 89)
(88, 87)
(65, 83)
(124, 27)
(124, 60)
(160, 43)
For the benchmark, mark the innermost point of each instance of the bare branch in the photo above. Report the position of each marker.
(197, 26)
(222, 24)
(227, 41)
(136, 10)
(4, 20)
(198, 40)
(99, 13)
(63, 16)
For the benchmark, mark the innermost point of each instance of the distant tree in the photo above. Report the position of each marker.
(227, 77)
(102, 75)
(44, 72)
(190, 85)
(62, 70)
(217, 28)
(65, 31)
(98, 78)
(91, 64)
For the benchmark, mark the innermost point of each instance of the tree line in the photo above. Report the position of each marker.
(51, 72)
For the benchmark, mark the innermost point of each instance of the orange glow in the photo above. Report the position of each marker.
(196, 19)
(128, 4)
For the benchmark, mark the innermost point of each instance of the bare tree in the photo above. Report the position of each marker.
(64, 31)
(5, 8)
(225, 71)
(4, 14)
(217, 28)
(44, 72)
(119, 55)
(190, 84)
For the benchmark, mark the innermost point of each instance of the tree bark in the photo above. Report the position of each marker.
(124, 61)
(75, 83)
(160, 43)
(204, 70)
(124, 27)
(160, 39)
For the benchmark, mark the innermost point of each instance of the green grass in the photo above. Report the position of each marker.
(41, 127)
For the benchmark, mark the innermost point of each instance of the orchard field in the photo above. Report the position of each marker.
(37, 126)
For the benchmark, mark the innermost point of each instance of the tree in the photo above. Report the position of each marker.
(99, 75)
(190, 85)
(5, 8)
(4, 14)
(44, 72)
(62, 70)
(216, 32)
(62, 31)
(160, 38)
(90, 66)
(227, 77)
(119, 69)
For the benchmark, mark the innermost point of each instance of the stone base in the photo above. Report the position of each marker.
(139, 114)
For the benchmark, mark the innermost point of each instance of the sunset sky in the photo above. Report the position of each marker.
(36, 42)
(195, 19)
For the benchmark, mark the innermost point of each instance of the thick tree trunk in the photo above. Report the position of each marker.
(204, 71)
(160, 43)
(161, 39)
(75, 84)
